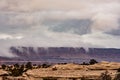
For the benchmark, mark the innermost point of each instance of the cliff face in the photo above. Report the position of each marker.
(63, 54)
(51, 54)
(40, 51)
(106, 54)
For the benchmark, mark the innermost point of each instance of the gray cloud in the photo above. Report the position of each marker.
(71, 26)
(53, 23)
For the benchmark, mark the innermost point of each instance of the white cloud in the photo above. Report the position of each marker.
(102, 39)
(34, 5)
(25, 17)
(7, 36)
(105, 22)
(103, 13)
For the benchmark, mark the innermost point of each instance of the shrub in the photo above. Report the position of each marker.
(54, 69)
(45, 65)
(18, 70)
(118, 70)
(28, 65)
(84, 63)
(105, 76)
(16, 65)
(92, 61)
(39, 66)
(4, 66)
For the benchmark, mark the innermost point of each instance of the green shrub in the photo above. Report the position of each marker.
(16, 65)
(45, 65)
(18, 70)
(92, 61)
(3, 66)
(118, 70)
(105, 76)
(28, 65)
(54, 69)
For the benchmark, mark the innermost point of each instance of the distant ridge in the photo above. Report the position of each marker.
(63, 54)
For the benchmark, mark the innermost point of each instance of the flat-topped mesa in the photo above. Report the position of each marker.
(50, 51)
(106, 54)
(64, 54)
(104, 50)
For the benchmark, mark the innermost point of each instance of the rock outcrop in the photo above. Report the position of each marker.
(62, 54)
(75, 71)
(68, 71)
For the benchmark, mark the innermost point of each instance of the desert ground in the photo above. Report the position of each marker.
(69, 71)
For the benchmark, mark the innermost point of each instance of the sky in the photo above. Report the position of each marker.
(59, 23)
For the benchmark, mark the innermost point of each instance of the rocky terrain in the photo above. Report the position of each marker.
(76, 71)
(68, 55)
(70, 72)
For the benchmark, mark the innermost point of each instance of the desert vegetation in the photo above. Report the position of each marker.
(92, 70)
(16, 69)
(105, 76)
(91, 62)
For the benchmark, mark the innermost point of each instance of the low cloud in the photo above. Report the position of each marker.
(7, 36)
(57, 23)
(105, 22)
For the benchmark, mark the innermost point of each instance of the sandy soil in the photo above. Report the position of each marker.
(75, 70)
(72, 71)
(67, 73)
